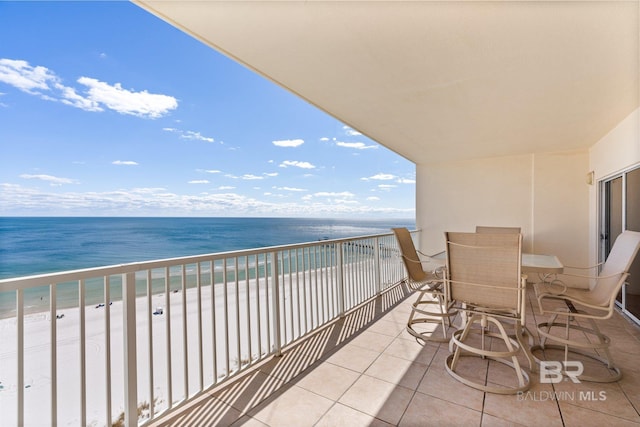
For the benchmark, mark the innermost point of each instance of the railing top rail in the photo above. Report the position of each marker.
(45, 279)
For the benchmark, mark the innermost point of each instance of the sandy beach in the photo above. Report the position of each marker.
(241, 330)
(38, 349)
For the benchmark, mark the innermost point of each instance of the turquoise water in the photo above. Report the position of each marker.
(36, 245)
(44, 245)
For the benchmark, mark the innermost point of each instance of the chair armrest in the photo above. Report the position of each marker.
(571, 267)
(605, 310)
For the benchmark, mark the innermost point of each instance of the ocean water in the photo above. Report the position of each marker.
(36, 245)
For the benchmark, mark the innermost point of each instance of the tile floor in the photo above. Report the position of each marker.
(366, 370)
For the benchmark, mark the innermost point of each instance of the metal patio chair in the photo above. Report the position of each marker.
(483, 275)
(430, 290)
(595, 303)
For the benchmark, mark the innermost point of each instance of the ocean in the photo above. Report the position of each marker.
(37, 245)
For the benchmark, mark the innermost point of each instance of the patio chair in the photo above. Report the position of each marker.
(483, 275)
(430, 290)
(497, 230)
(595, 303)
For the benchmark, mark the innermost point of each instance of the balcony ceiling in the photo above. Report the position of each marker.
(439, 81)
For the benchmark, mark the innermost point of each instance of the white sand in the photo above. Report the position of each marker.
(37, 356)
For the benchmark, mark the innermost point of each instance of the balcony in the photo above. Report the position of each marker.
(320, 340)
(365, 369)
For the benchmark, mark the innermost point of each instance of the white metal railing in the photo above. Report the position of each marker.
(138, 340)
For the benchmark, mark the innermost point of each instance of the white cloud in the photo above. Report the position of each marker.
(23, 76)
(199, 181)
(333, 194)
(288, 143)
(97, 96)
(296, 163)
(356, 145)
(324, 139)
(54, 180)
(380, 177)
(271, 174)
(373, 198)
(406, 181)
(225, 187)
(386, 187)
(189, 134)
(149, 190)
(350, 131)
(71, 98)
(289, 189)
(124, 163)
(197, 136)
(249, 176)
(209, 170)
(123, 101)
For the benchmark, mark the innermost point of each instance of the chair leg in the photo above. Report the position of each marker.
(543, 339)
(420, 315)
(587, 349)
(520, 331)
(509, 357)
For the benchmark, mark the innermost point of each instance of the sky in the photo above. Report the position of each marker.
(106, 110)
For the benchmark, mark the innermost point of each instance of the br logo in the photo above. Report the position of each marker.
(553, 372)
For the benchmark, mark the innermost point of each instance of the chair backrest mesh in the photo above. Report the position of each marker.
(409, 255)
(619, 261)
(485, 269)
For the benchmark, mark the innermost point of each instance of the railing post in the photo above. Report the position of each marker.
(20, 348)
(53, 333)
(340, 275)
(377, 266)
(130, 362)
(276, 303)
(83, 353)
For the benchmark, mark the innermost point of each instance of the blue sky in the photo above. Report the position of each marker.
(105, 110)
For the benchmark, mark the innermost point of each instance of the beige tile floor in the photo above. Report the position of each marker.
(366, 370)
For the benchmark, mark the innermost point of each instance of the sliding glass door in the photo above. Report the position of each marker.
(613, 217)
(620, 198)
(632, 295)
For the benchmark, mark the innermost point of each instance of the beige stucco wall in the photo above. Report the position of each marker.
(618, 150)
(547, 195)
(560, 200)
(458, 196)
(544, 194)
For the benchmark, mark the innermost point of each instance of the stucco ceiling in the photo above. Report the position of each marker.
(438, 81)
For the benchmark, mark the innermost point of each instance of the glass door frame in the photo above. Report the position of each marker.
(603, 203)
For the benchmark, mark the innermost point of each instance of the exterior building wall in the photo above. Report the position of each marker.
(544, 194)
(548, 195)
(457, 196)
